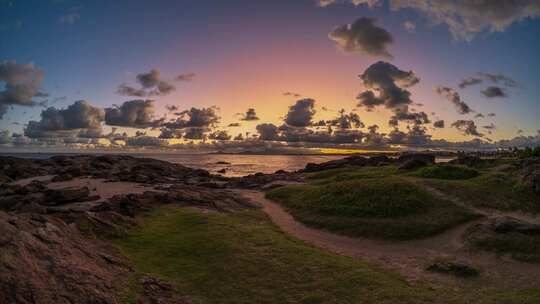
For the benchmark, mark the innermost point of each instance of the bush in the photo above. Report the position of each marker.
(446, 172)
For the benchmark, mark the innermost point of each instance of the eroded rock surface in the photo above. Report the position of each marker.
(45, 260)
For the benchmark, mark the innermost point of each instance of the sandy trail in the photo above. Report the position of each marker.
(409, 258)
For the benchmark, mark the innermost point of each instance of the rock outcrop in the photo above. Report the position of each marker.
(45, 260)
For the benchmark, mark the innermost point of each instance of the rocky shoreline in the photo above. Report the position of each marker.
(55, 222)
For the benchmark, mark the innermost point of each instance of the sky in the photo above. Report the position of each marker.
(182, 71)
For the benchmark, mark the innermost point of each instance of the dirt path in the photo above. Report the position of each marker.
(407, 257)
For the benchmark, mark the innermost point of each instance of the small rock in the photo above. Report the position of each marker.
(508, 224)
(457, 269)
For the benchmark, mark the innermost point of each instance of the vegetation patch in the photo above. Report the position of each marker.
(499, 190)
(519, 246)
(242, 257)
(350, 173)
(388, 208)
(444, 171)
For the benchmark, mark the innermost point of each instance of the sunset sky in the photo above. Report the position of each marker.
(267, 55)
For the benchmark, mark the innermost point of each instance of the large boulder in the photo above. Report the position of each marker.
(468, 160)
(424, 157)
(44, 260)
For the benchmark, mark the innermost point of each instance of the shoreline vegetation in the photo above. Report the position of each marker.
(404, 229)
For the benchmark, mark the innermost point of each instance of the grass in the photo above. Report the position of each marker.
(445, 171)
(242, 257)
(522, 247)
(501, 191)
(350, 173)
(385, 208)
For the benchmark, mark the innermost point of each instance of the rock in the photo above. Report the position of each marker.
(425, 157)
(156, 291)
(508, 224)
(280, 172)
(413, 164)
(457, 269)
(68, 195)
(62, 177)
(338, 163)
(58, 265)
(468, 160)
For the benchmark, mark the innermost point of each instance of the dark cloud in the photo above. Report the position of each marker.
(220, 135)
(185, 77)
(491, 115)
(79, 119)
(500, 78)
(324, 3)
(195, 118)
(126, 90)
(417, 118)
(250, 115)
(267, 131)
(301, 113)
(151, 85)
(344, 121)
(479, 115)
(470, 82)
(439, 124)
(21, 84)
(134, 113)
(146, 141)
(493, 91)
(296, 95)
(363, 36)
(491, 126)
(390, 83)
(167, 133)
(196, 133)
(467, 127)
(453, 96)
(191, 124)
(234, 124)
(464, 18)
(171, 108)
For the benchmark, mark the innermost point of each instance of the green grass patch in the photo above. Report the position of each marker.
(520, 246)
(243, 258)
(445, 171)
(501, 191)
(387, 208)
(350, 173)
